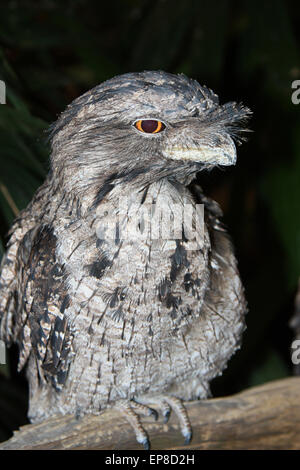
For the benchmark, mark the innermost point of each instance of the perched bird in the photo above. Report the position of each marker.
(106, 312)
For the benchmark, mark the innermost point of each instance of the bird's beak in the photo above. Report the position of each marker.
(210, 152)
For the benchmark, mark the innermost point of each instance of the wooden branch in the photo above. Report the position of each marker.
(264, 417)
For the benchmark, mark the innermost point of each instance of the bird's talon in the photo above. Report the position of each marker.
(146, 444)
(166, 416)
(188, 438)
(153, 413)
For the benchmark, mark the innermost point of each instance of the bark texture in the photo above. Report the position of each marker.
(264, 417)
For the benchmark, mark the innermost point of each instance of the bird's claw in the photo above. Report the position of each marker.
(131, 409)
(153, 413)
(146, 444)
(168, 403)
(166, 415)
(187, 437)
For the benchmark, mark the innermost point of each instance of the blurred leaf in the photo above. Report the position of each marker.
(203, 53)
(271, 368)
(282, 191)
(268, 50)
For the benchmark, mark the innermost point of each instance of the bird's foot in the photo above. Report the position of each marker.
(168, 403)
(131, 410)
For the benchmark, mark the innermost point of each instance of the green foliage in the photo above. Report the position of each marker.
(282, 192)
(271, 368)
(23, 154)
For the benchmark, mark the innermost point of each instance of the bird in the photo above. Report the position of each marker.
(119, 283)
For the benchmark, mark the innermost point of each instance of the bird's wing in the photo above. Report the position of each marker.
(213, 211)
(9, 278)
(10, 263)
(226, 281)
(34, 301)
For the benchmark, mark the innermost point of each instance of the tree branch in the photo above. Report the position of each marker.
(264, 417)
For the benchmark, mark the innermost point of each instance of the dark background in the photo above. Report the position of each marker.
(51, 52)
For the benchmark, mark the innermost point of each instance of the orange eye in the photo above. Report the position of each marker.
(150, 126)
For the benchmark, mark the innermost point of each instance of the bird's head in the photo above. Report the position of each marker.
(141, 127)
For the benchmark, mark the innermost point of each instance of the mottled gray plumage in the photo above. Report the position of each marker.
(100, 322)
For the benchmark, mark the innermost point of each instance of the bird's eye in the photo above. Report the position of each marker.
(150, 126)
